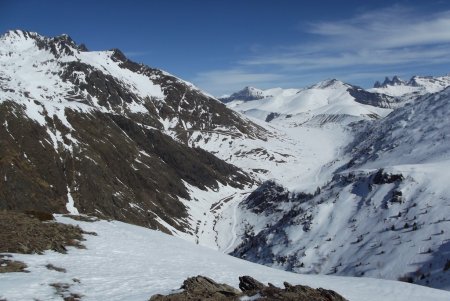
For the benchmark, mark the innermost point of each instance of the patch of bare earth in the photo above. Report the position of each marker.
(30, 233)
(8, 265)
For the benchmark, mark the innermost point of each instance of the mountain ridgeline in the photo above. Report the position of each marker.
(99, 133)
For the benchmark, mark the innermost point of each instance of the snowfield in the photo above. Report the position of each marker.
(126, 262)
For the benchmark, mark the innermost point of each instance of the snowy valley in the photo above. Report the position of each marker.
(326, 181)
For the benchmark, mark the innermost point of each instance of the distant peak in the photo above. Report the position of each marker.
(395, 81)
(328, 83)
(250, 88)
(64, 37)
(248, 93)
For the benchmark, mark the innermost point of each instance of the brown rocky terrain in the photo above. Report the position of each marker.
(204, 288)
(26, 233)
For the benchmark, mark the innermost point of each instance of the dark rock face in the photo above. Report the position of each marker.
(115, 163)
(395, 81)
(266, 198)
(271, 116)
(203, 288)
(37, 181)
(382, 177)
(373, 99)
(247, 283)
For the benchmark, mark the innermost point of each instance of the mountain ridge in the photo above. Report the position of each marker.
(94, 132)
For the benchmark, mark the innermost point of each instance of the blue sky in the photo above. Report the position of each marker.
(222, 46)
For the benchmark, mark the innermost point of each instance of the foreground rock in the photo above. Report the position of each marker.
(31, 233)
(8, 265)
(203, 288)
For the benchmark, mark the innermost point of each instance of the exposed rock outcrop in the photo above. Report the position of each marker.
(203, 288)
(24, 233)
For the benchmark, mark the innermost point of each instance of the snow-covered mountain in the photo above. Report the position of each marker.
(395, 81)
(93, 132)
(382, 213)
(330, 99)
(246, 94)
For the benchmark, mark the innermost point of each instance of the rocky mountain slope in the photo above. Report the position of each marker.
(93, 132)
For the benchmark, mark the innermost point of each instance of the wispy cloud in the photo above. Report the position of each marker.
(393, 38)
(395, 35)
(136, 54)
(392, 27)
(223, 81)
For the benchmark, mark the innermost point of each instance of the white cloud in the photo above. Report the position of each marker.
(374, 42)
(219, 82)
(389, 28)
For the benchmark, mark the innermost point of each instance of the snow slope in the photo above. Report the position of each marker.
(382, 214)
(125, 262)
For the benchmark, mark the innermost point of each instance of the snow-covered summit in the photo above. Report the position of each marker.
(330, 84)
(20, 40)
(246, 94)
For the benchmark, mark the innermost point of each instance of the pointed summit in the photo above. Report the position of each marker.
(247, 94)
(329, 83)
(395, 81)
(59, 45)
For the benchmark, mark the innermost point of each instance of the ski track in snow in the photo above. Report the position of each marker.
(229, 248)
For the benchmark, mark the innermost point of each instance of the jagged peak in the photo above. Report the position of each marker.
(25, 34)
(58, 45)
(250, 88)
(395, 81)
(20, 34)
(118, 55)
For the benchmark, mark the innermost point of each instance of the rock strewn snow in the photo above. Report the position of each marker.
(125, 262)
